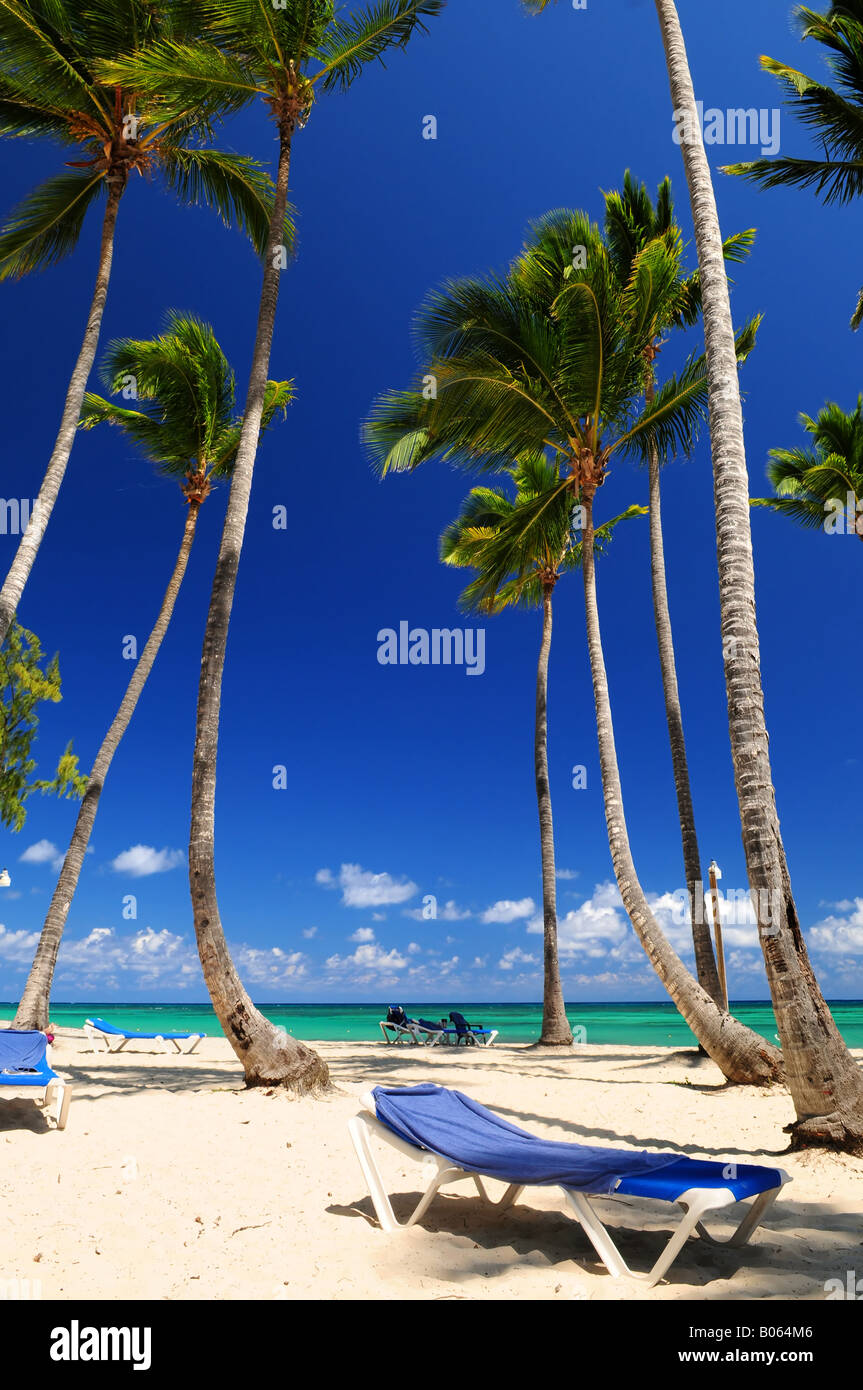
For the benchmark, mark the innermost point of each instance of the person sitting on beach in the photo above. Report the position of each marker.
(397, 1015)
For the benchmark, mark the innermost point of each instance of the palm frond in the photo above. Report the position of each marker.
(238, 188)
(46, 225)
(185, 77)
(350, 44)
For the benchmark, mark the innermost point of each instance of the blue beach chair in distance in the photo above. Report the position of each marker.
(466, 1141)
(115, 1039)
(468, 1033)
(26, 1073)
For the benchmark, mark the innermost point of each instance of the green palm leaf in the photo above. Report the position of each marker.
(46, 225)
(184, 416)
(350, 43)
(236, 187)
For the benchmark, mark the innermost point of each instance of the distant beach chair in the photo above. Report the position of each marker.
(115, 1039)
(26, 1074)
(414, 1030)
(465, 1140)
(469, 1034)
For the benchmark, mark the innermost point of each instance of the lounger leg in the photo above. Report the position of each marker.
(509, 1198)
(753, 1218)
(359, 1131)
(64, 1100)
(597, 1234)
(608, 1251)
(193, 1044)
(695, 1207)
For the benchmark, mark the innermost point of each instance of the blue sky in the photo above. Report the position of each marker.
(408, 781)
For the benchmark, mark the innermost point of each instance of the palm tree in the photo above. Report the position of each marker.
(185, 424)
(632, 220)
(822, 486)
(825, 1082)
(519, 562)
(50, 51)
(833, 114)
(283, 55)
(520, 367)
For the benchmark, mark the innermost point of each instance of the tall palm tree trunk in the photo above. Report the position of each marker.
(826, 1083)
(268, 1056)
(705, 961)
(556, 1031)
(740, 1054)
(28, 546)
(33, 1007)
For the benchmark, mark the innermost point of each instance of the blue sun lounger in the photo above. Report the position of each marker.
(468, 1033)
(464, 1140)
(115, 1039)
(26, 1074)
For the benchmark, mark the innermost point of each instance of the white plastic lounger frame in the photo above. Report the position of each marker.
(425, 1037)
(57, 1093)
(696, 1202)
(115, 1042)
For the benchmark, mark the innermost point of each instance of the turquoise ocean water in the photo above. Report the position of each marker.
(643, 1025)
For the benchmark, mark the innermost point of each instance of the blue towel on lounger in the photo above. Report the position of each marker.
(22, 1058)
(452, 1125)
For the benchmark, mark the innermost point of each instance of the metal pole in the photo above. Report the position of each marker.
(715, 873)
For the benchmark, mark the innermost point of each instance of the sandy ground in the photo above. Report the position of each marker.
(171, 1181)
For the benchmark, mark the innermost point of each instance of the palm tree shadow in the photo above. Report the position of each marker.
(131, 1080)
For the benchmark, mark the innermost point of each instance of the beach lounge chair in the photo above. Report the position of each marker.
(115, 1039)
(465, 1141)
(469, 1034)
(413, 1030)
(25, 1072)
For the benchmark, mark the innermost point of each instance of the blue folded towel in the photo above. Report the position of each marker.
(22, 1058)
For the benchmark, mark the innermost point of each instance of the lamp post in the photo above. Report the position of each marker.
(716, 873)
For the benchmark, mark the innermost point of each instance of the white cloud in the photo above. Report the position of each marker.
(505, 910)
(516, 956)
(414, 948)
(450, 912)
(566, 873)
(840, 935)
(360, 888)
(270, 965)
(150, 957)
(309, 932)
(369, 964)
(17, 946)
(142, 860)
(362, 934)
(43, 852)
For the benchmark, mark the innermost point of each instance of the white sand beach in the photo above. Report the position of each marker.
(173, 1182)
